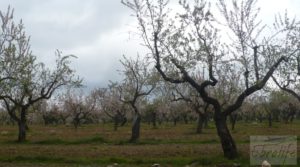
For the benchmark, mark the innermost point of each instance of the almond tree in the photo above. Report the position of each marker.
(110, 104)
(283, 105)
(163, 101)
(30, 80)
(79, 106)
(227, 89)
(192, 98)
(139, 82)
(288, 74)
(181, 43)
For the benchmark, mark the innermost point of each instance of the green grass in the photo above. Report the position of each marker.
(100, 145)
(90, 140)
(204, 161)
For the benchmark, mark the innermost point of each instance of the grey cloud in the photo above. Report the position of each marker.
(89, 29)
(67, 23)
(94, 30)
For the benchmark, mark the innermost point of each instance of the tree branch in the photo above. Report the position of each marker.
(284, 88)
(259, 85)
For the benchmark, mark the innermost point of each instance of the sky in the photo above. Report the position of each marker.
(98, 32)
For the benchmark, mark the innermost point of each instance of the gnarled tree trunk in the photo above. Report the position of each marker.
(22, 126)
(228, 144)
(200, 123)
(135, 131)
(206, 116)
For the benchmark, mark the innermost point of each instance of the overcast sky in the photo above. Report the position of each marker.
(96, 31)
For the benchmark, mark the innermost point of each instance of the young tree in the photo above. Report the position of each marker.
(30, 80)
(283, 105)
(79, 106)
(139, 82)
(181, 43)
(51, 117)
(163, 101)
(110, 104)
(151, 113)
(49, 113)
(266, 109)
(186, 93)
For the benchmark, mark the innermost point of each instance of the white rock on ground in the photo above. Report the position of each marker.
(114, 165)
(265, 164)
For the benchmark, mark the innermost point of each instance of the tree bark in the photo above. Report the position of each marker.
(270, 119)
(116, 122)
(185, 119)
(124, 120)
(228, 144)
(135, 131)
(22, 127)
(153, 119)
(118, 118)
(292, 117)
(206, 116)
(175, 121)
(201, 121)
(205, 124)
(233, 118)
(76, 123)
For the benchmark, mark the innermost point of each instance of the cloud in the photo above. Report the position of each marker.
(72, 23)
(97, 31)
(99, 61)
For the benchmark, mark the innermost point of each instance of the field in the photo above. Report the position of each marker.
(100, 145)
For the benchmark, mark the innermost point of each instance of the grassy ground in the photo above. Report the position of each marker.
(99, 145)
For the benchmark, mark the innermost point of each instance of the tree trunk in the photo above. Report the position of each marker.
(175, 121)
(64, 119)
(233, 118)
(154, 119)
(205, 123)
(76, 126)
(116, 122)
(286, 119)
(185, 119)
(206, 116)
(124, 120)
(228, 144)
(260, 118)
(76, 123)
(292, 118)
(135, 131)
(22, 127)
(270, 119)
(200, 123)
(45, 120)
